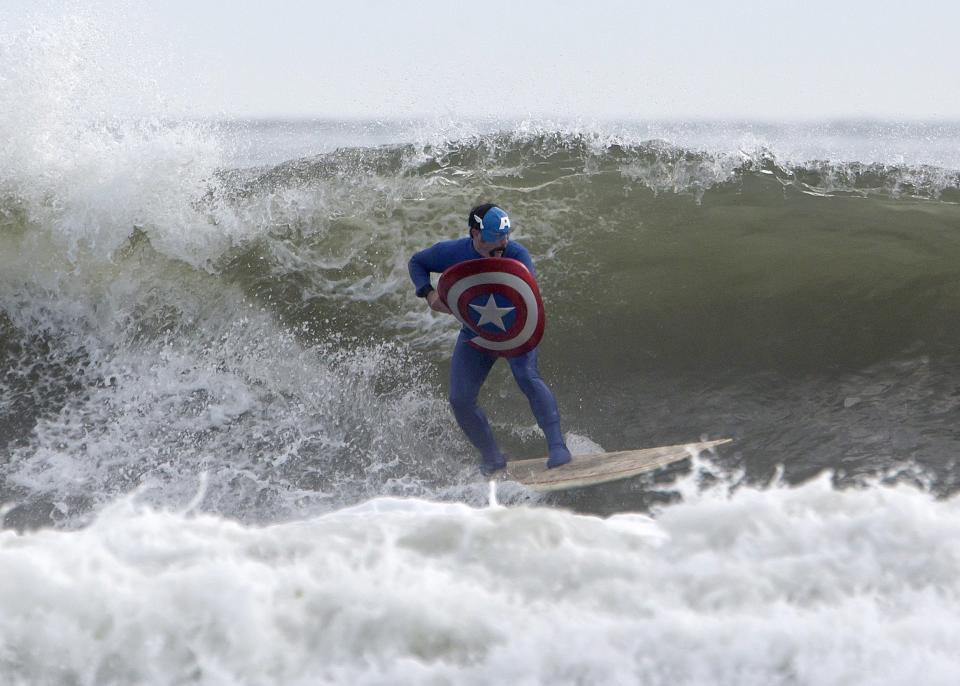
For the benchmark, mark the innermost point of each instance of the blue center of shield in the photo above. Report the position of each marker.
(493, 313)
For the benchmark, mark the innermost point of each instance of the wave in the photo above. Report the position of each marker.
(158, 324)
(224, 328)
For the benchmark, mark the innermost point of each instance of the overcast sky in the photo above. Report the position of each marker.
(748, 59)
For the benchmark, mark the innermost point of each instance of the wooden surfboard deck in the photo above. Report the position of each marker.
(600, 468)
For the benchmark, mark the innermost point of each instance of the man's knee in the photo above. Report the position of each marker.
(528, 379)
(461, 402)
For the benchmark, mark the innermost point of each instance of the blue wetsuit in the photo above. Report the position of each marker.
(469, 367)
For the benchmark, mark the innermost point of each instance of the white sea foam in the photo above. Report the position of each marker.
(278, 426)
(782, 586)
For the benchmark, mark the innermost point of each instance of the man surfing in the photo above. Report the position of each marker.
(489, 236)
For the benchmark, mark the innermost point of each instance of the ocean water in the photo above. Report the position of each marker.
(226, 455)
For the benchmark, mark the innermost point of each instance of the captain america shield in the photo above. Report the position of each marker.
(497, 299)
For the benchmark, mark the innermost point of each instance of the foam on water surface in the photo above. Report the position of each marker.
(780, 586)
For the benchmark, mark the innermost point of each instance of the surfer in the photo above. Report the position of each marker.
(489, 229)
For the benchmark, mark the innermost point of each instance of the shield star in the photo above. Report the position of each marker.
(491, 314)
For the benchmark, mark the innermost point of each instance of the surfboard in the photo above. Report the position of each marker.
(601, 468)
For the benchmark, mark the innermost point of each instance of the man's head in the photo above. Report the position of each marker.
(490, 229)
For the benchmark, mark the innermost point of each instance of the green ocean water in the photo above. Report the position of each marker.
(256, 321)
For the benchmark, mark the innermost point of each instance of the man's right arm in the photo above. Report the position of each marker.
(421, 265)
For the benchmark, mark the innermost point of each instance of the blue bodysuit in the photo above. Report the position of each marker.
(469, 367)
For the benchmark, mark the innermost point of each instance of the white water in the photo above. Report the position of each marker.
(780, 586)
